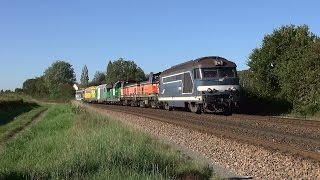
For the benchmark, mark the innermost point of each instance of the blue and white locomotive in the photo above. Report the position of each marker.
(207, 84)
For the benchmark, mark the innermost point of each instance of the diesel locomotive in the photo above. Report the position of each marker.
(207, 84)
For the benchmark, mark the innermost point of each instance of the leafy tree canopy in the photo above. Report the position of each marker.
(286, 64)
(18, 90)
(58, 76)
(123, 70)
(35, 87)
(99, 78)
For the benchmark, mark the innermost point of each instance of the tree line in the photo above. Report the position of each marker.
(284, 73)
(58, 79)
(118, 70)
(55, 83)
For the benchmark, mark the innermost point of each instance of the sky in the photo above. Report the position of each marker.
(154, 34)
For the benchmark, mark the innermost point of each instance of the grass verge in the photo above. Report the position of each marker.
(69, 143)
(9, 129)
(13, 105)
(14, 97)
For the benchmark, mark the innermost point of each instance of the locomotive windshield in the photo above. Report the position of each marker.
(216, 73)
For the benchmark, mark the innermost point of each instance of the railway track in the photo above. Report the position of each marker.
(283, 121)
(286, 135)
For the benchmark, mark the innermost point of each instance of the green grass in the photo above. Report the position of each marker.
(69, 143)
(13, 105)
(6, 97)
(299, 116)
(9, 129)
(9, 97)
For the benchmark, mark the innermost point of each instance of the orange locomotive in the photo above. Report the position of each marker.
(142, 94)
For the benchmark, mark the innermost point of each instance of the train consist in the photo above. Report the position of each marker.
(207, 84)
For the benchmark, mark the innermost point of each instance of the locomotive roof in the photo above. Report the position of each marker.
(203, 62)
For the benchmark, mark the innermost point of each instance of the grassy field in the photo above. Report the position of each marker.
(6, 97)
(13, 105)
(9, 129)
(16, 111)
(69, 143)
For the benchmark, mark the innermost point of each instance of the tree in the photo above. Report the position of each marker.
(29, 86)
(84, 80)
(99, 78)
(308, 96)
(280, 67)
(110, 74)
(35, 87)
(59, 78)
(122, 70)
(275, 65)
(18, 90)
(41, 89)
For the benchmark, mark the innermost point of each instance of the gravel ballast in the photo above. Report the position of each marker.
(238, 157)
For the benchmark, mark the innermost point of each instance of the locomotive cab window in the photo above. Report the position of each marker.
(215, 73)
(210, 73)
(227, 72)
